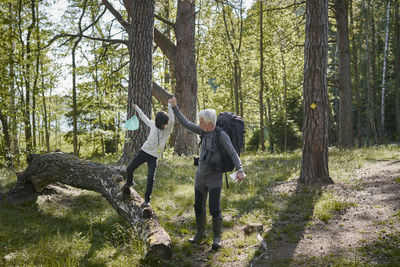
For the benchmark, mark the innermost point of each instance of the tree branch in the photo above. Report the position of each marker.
(116, 14)
(114, 41)
(164, 20)
(165, 44)
(161, 94)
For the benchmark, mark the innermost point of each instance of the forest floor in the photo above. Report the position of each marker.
(367, 232)
(269, 219)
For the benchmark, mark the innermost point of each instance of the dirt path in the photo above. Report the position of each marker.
(371, 223)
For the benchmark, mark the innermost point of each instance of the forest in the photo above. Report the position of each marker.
(316, 82)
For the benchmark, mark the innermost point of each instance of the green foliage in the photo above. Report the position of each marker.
(254, 141)
(288, 133)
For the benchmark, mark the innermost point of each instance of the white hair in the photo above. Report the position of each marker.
(208, 115)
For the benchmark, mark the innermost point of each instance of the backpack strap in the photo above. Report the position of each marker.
(219, 131)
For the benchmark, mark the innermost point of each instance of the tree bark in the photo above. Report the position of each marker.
(397, 81)
(384, 73)
(356, 78)
(376, 129)
(13, 113)
(182, 56)
(74, 104)
(26, 70)
(46, 128)
(285, 88)
(314, 167)
(140, 45)
(261, 96)
(67, 169)
(186, 75)
(345, 95)
(370, 104)
(7, 140)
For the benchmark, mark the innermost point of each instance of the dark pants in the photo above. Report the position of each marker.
(200, 199)
(140, 158)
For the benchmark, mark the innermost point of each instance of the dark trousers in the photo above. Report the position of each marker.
(140, 158)
(200, 199)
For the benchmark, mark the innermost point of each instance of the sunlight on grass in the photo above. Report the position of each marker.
(327, 205)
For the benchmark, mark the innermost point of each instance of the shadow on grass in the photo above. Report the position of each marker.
(385, 251)
(50, 235)
(288, 228)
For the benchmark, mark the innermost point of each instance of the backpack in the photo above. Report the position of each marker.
(233, 125)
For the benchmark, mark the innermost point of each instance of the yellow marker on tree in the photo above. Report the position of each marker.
(313, 106)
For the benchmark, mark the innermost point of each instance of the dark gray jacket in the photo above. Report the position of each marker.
(205, 176)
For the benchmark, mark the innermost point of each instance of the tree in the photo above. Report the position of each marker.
(356, 76)
(369, 81)
(397, 81)
(345, 96)
(139, 28)
(261, 96)
(314, 167)
(182, 56)
(384, 72)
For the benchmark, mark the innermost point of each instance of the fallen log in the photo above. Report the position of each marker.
(67, 169)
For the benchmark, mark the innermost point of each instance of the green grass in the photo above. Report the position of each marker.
(84, 230)
(328, 204)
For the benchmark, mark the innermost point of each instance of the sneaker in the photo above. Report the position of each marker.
(146, 204)
(126, 191)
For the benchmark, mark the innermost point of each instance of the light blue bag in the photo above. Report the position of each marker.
(132, 124)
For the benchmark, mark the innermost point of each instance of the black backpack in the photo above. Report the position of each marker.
(233, 125)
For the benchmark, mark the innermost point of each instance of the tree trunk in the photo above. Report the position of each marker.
(7, 139)
(376, 129)
(261, 97)
(36, 77)
(13, 113)
(46, 128)
(27, 68)
(186, 75)
(74, 104)
(314, 167)
(356, 77)
(140, 45)
(384, 73)
(285, 120)
(397, 81)
(370, 104)
(271, 137)
(67, 169)
(345, 96)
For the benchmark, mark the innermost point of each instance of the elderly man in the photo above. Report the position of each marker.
(208, 180)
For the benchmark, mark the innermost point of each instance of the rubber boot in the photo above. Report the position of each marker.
(217, 230)
(201, 221)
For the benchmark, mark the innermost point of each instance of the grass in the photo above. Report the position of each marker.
(83, 229)
(328, 204)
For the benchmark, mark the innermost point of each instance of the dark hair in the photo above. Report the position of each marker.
(161, 119)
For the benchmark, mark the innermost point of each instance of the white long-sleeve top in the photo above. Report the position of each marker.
(157, 138)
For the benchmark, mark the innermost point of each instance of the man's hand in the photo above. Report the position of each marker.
(240, 176)
(172, 101)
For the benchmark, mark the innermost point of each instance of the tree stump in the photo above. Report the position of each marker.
(67, 169)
